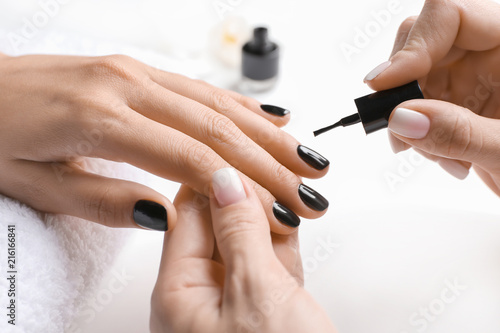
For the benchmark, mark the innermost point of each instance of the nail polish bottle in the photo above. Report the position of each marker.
(260, 62)
(374, 110)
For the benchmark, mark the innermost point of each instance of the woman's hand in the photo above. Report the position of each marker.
(453, 49)
(219, 272)
(56, 110)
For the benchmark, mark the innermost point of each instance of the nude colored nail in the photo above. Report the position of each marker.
(377, 71)
(454, 168)
(409, 123)
(228, 188)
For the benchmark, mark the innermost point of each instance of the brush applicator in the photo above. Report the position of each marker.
(374, 110)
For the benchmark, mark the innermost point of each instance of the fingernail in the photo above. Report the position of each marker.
(275, 110)
(377, 71)
(285, 215)
(397, 145)
(228, 188)
(150, 215)
(454, 168)
(409, 123)
(312, 158)
(312, 199)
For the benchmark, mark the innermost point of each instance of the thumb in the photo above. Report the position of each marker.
(239, 222)
(447, 130)
(441, 25)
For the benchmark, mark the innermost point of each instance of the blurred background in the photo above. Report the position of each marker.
(404, 248)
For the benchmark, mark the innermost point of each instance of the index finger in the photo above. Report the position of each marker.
(471, 25)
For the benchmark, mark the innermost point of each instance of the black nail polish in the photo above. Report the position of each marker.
(275, 110)
(285, 215)
(312, 199)
(150, 215)
(312, 158)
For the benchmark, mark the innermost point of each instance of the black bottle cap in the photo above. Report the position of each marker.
(260, 56)
(375, 109)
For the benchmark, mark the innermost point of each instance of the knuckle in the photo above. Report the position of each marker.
(271, 134)
(247, 102)
(221, 130)
(284, 176)
(418, 49)
(100, 206)
(239, 225)
(202, 83)
(197, 157)
(460, 139)
(223, 102)
(114, 67)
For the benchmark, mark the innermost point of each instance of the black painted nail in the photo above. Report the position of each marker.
(275, 110)
(312, 158)
(150, 215)
(312, 199)
(285, 215)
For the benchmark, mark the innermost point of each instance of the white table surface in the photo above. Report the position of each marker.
(396, 248)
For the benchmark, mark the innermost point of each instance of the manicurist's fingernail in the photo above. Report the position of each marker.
(454, 168)
(312, 199)
(150, 215)
(312, 158)
(228, 188)
(410, 124)
(274, 110)
(377, 71)
(285, 215)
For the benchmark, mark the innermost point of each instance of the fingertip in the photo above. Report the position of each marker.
(316, 174)
(171, 214)
(280, 121)
(151, 210)
(281, 229)
(377, 71)
(156, 214)
(397, 145)
(403, 67)
(455, 168)
(227, 187)
(286, 221)
(277, 115)
(314, 160)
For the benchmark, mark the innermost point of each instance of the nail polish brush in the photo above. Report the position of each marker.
(374, 110)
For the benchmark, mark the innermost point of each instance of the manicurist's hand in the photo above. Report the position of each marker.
(57, 110)
(223, 272)
(453, 49)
